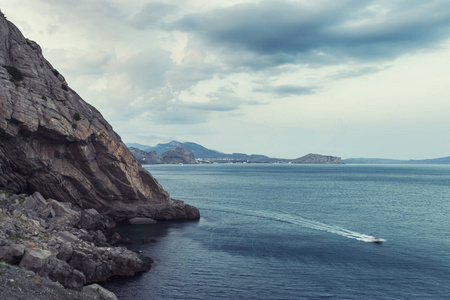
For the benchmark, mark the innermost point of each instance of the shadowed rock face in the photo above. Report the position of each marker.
(53, 142)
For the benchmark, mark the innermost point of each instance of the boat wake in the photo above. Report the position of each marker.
(305, 222)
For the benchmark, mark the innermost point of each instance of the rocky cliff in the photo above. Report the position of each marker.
(53, 142)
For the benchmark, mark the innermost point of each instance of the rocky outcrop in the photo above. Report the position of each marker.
(60, 243)
(317, 159)
(53, 142)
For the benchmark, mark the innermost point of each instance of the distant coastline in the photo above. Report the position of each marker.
(383, 161)
(192, 153)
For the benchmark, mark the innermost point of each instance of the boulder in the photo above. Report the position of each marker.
(92, 220)
(95, 289)
(64, 214)
(60, 271)
(11, 253)
(34, 259)
(35, 202)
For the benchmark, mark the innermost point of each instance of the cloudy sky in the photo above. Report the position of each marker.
(352, 78)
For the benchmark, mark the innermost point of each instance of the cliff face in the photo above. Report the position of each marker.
(53, 142)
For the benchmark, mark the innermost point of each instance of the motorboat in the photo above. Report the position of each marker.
(378, 240)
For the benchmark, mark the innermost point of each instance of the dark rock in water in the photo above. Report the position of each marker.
(53, 142)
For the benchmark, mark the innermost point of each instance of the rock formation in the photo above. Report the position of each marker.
(53, 142)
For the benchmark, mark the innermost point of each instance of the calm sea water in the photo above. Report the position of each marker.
(299, 232)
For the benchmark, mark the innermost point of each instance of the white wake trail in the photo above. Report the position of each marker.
(304, 222)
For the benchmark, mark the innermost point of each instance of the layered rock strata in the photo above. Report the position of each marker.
(53, 142)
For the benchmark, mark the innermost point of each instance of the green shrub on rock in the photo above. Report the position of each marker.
(14, 72)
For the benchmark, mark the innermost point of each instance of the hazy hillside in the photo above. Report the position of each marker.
(198, 150)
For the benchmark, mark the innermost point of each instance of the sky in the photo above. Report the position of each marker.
(350, 78)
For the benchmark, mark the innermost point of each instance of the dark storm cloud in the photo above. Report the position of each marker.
(323, 32)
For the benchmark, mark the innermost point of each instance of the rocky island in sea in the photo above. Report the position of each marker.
(65, 177)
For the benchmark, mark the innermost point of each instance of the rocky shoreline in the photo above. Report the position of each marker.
(61, 250)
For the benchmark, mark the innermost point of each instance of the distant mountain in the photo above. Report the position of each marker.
(146, 158)
(198, 150)
(139, 146)
(175, 156)
(178, 156)
(442, 160)
(204, 155)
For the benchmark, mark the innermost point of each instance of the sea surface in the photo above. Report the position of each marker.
(298, 232)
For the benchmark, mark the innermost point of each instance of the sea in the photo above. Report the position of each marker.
(280, 231)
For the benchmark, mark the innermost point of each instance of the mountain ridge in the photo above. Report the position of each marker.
(205, 155)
